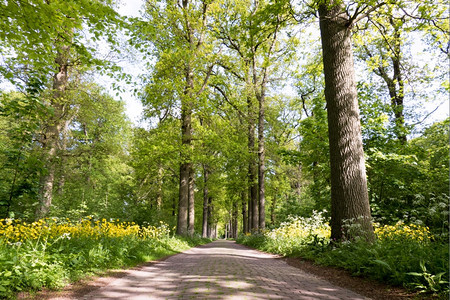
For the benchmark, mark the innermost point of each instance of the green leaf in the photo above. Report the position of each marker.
(414, 274)
(383, 263)
(7, 274)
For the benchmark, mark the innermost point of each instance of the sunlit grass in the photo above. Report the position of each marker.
(52, 252)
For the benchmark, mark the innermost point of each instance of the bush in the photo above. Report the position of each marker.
(403, 254)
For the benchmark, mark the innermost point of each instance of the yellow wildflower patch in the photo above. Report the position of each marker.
(51, 228)
(404, 232)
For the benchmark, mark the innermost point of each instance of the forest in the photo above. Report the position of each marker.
(312, 128)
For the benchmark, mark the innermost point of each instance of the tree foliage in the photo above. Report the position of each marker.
(229, 85)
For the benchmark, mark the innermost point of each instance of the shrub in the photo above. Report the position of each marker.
(403, 254)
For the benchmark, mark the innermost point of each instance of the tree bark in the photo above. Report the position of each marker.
(211, 224)
(185, 170)
(205, 202)
(185, 206)
(63, 156)
(235, 219)
(252, 168)
(261, 160)
(244, 212)
(349, 197)
(51, 135)
(191, 203)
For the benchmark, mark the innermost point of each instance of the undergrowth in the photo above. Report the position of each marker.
(404, 255)
(51, 253)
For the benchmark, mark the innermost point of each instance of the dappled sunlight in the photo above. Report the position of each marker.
(221, 270)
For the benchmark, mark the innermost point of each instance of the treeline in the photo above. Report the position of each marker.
(255, 113)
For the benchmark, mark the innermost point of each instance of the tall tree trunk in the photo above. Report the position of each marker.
(186, 193)
(62, 155)
(252, 178)
(252, 168)
(250, 208)
(349, 197)
(211, 223)
(185, 170)
(205, 202)
(261, 160)
(191, 203)
(235, 220)
(244, 212)
(51, 136)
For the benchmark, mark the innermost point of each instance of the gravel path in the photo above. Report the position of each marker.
(221, 270)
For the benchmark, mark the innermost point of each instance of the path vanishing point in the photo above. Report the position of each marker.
(221, 270)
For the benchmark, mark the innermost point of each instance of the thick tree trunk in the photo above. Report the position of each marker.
(46, 182)
(349, 197)
(186, 212)
(51, 136)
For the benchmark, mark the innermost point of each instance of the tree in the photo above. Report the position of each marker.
(349, 196)
(387, 44)
(54, 126)
(29, 54)
(20, 118)
(92, 176)
(395, 83)
(180, 42)
(39, 55)
(253, 34)
(155, 161)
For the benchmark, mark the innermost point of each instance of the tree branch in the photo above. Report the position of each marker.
(357, 16)
(205, 81)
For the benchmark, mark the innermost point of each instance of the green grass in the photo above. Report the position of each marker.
(35, 264)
